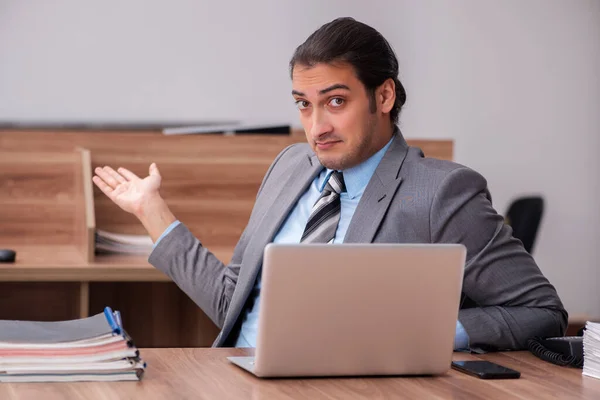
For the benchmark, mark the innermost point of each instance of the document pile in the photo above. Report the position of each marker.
(122, 243)
(88, 349)
(591, 350)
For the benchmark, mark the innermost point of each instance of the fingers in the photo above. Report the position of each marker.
(116, 176)
(130, 176)
(107, 190)
(153, 170)
(109, 176)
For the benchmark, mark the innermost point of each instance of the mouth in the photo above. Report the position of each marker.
(327, 145)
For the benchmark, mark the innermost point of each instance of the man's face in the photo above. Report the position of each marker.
(336, 116)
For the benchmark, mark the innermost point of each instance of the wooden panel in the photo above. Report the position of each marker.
(155, 314)
(194, 178)
(204, 218)
(45, 224)
(84, 213)
(30, 177)
(196, 329)
(84, 299)
(37, 196)
(442, 149)
(134, 143)
(131, 144)
(39, 301)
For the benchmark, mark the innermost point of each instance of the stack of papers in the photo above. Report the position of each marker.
(591, 350)
(89, 349)
(121, 243)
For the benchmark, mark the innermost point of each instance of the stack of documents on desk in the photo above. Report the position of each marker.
(89, 349)
(591, 350)
(121, 243)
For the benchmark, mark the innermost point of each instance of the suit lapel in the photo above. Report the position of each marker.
(300, 176)
(378, 194)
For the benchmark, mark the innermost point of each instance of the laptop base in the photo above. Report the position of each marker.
(246, 363)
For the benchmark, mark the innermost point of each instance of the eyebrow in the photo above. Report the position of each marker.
(324, 91)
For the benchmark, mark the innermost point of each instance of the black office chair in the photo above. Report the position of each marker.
(524, 216)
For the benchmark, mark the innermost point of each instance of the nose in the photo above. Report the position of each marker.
(320, 125)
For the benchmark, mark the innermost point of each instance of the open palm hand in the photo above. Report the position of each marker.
(126, 189)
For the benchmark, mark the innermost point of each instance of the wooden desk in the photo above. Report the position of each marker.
(206, 374)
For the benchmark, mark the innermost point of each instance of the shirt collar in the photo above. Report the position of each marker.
(357, 177)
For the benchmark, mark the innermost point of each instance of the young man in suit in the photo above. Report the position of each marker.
(355, 181)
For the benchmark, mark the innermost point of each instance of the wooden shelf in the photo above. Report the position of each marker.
(66, 264)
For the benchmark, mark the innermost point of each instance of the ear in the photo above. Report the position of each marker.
(386, 96)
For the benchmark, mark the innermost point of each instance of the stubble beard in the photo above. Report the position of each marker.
(352, 157)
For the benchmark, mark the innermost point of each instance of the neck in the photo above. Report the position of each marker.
(385, 134)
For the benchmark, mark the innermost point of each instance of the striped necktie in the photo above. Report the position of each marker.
(325, 214)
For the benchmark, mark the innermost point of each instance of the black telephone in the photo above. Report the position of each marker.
(562, 351)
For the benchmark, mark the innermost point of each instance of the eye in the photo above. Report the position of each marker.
(336, 102)
(302, 104)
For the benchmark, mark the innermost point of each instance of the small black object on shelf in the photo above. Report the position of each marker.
(7, 256)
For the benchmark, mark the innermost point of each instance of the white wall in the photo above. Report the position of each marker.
(515, 83)
(144, 60)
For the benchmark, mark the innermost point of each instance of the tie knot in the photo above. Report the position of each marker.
(336, 183)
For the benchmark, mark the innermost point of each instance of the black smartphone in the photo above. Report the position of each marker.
(485, 370)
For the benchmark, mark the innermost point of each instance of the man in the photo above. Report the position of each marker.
(355, 181)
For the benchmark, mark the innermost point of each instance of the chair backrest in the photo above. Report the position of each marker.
(524, 216)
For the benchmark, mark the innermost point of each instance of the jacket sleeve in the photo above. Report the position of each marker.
(197, 271)
(511, 300)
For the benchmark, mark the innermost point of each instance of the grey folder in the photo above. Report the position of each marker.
(54, 332)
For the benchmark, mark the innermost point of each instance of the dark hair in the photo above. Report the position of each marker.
(365, 49)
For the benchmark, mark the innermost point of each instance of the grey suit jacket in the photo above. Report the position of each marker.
(409, 199)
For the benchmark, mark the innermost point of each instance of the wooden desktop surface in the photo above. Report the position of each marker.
(206, 374)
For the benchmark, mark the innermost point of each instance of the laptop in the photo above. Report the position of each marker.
(357, 310)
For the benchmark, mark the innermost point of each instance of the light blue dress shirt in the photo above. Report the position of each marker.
(166, 232)
(356, 180)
